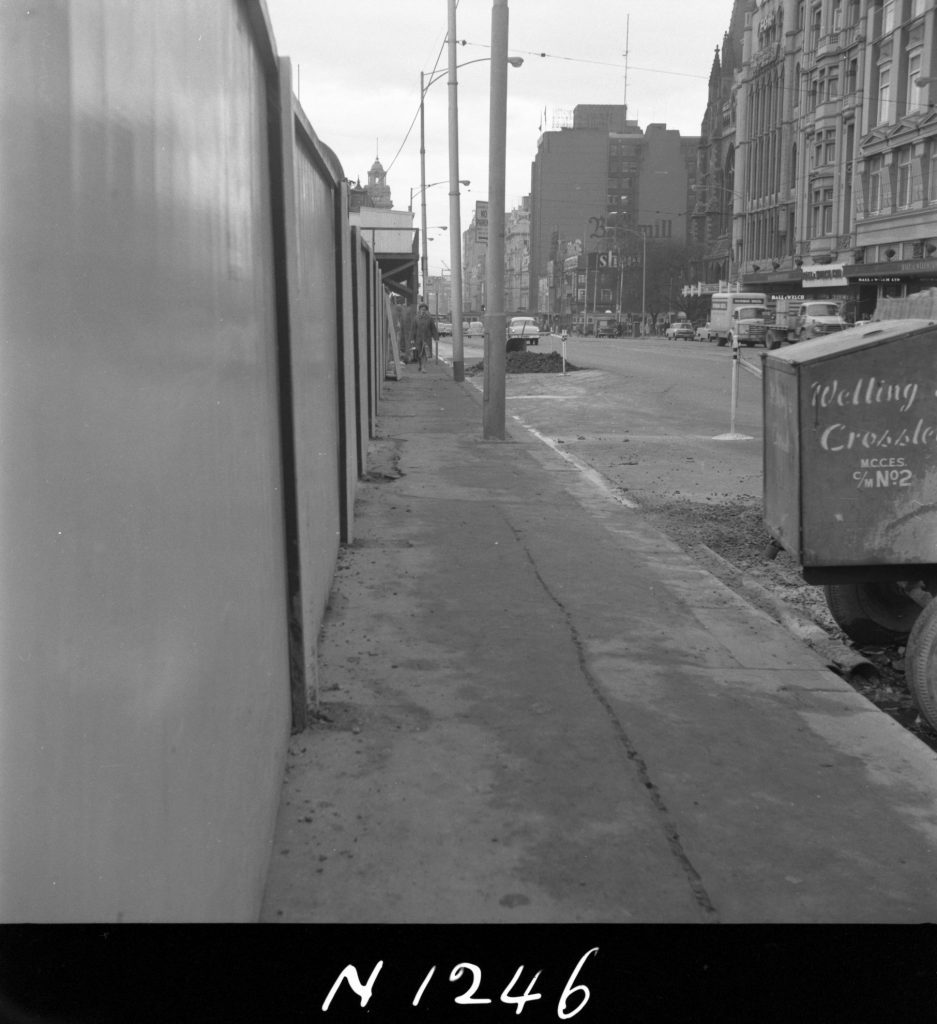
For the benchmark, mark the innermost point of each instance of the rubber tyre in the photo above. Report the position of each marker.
(920, 663)
(720, 341)
(872, 613)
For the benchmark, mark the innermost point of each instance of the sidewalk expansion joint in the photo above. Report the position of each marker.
(668, 824)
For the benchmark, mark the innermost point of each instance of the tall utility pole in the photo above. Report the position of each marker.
(493, 406)
(423, 239)
(455, 222)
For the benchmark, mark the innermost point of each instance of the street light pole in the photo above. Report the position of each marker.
(495, 335)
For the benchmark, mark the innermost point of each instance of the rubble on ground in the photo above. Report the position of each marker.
(528, 362)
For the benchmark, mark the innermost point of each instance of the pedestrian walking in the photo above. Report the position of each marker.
(424, 333)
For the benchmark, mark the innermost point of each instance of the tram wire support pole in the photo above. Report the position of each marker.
(424, 266)
(455, 222)
(493, 405)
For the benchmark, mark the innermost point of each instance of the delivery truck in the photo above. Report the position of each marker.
(793, 318)
(738, 318)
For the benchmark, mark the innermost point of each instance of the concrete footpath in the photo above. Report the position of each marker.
(536, 708)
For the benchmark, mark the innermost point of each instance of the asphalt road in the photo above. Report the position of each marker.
(649, 414)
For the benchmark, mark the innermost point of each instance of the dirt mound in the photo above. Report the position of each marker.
(529, 362)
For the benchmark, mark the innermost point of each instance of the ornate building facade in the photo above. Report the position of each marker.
(818, 158)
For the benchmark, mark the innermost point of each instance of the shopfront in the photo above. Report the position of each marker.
(892, 280)
(830, 281)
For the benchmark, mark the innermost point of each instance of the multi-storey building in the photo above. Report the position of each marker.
(474, 269)
(517, 258)
(600, 191)
(516, 262)
(895, 167)
(826, 150)
(713, 257)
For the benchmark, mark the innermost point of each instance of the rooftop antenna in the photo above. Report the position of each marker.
(627, 33)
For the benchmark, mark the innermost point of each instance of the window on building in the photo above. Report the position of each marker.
(800, 17)
(932, 174)
(824, 148)
(815, 12)
(888, 16)
(852, 13)
(917, 7)
(915, 97)
(836, 16)
(832, 84)
(852, 76)
(876, 184)
(822, 212)
(884, 94)
(904, 178)
(797, 86)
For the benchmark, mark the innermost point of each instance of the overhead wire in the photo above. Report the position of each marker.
(544, 54)
(417, 114)
(585, 60)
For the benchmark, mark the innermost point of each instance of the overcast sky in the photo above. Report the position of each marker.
(357, 63)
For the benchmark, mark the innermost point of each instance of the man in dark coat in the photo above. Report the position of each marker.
(424, 334)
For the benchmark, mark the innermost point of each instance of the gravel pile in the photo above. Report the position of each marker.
(528, 362)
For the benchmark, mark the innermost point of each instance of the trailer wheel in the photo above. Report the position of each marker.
(872, 612)
(921, 663)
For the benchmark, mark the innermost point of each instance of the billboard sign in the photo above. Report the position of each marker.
(481, 221)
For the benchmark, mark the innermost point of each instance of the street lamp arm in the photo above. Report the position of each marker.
(515, 62)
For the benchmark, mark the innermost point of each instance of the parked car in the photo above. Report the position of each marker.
(476, 329)
(445, 328)
(682, 331)
(524, 328)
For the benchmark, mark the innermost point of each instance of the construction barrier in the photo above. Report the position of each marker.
(192, 367)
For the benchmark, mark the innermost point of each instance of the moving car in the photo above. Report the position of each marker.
(702, 333)
(683, 330)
